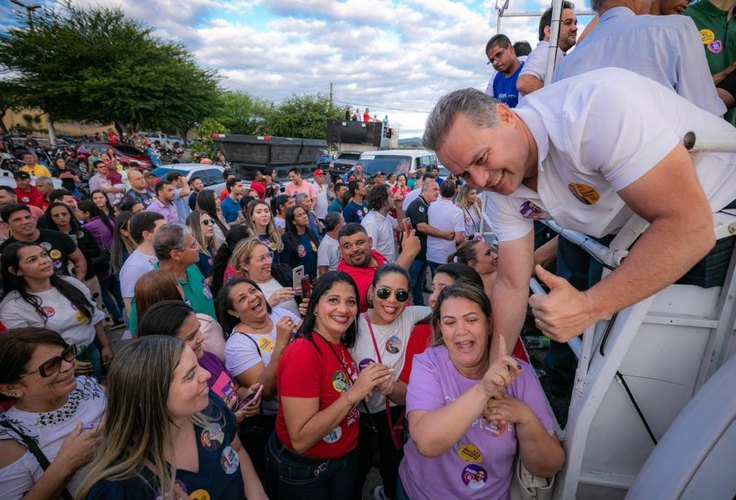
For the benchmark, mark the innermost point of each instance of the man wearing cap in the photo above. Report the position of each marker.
(297, 185)
(32, 167)
(27, 194)
(588, 152)
(320, 190)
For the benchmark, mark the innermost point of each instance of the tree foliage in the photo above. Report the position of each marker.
(241, 113)
(95, 65)
(302, 116)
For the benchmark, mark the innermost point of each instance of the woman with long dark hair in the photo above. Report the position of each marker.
(69, 177)
(209, 203)
(36, 296)
(300, 243)
(103, 203)
(319, 393)
(221, 270)
(59, 217)
(122, 243)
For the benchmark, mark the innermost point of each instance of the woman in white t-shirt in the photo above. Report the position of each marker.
(259, 335)
(383, 336)
(36, 296)
(52, 408)
(470, 204)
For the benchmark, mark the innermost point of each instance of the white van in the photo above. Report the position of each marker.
(397, 161)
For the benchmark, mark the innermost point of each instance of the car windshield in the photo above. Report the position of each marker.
(161, 172)
(349, 156)
(384, 163)
(129, 150)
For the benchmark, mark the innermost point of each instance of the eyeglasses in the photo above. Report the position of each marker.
(51, 366)
(384, 293)
(498, 55)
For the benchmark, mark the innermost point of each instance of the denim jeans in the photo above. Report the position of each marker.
(418, 273)
(293, 476)
(111, 297)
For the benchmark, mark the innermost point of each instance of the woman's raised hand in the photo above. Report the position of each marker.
(369, 378)
(502, 371)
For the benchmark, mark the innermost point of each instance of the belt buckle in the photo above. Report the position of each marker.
(320, 469)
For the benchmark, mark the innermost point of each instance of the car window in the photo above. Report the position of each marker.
(161, 172)
(210, 176)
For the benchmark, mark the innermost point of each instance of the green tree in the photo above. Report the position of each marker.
(204, 143)
(11, 97)
(95, 65)
(240, 113)
(302, 116)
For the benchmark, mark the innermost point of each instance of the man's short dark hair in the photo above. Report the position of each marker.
(173, 176)
(522, 48)
(98, 163)
(58, 194)
(9, 189)
(195, 178)
(143, 221)
(8, 211)
(227, 173)
(160, 185)
(353, 186)
(546, 19)
(295, 170)
(501, 40)
(134, 164)
(448, 188)
(378, 196)
(231, 182)
(351, 229)
(332, 220)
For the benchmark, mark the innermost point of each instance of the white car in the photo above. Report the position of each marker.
(7, 179)
(211, 175)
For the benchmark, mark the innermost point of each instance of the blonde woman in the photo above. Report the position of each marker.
(260, 220)
(177, 426)
(203, 229)
(470, 204)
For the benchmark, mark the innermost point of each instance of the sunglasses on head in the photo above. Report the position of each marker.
(384, 293)
(51, 366)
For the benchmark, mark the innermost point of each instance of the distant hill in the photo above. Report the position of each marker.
(411, 142)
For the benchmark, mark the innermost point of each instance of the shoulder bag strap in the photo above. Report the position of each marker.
(33, 447)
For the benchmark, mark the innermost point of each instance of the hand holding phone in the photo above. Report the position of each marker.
(250, 398)
(408, 225)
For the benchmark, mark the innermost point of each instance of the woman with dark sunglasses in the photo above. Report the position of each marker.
(52, 408)
(385, 330)
(203, 229)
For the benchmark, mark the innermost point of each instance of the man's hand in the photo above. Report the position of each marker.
(565, 312)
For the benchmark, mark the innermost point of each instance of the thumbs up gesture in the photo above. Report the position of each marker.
(565, 312)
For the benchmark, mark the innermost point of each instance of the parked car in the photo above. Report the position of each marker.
(396, 161)
(344, 162)
(125, 152)
(7, 179)
(324, 161)
(211, 175)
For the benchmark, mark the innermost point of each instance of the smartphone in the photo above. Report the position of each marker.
(89, 426)
(407, 225)
(249, 399)
(297, 275)
(306, 287)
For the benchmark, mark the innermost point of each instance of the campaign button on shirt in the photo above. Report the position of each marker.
(474, 476)
(229, 460)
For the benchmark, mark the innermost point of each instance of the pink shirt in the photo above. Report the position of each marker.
(305, 187)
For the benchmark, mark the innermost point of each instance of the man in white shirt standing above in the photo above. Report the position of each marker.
(534, 72)
(444, 215)
(320, 189)
(379, 225)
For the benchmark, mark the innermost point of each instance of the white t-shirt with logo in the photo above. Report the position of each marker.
(445, 216)
(328, 253)
(596, 134)
(241, 353)
(381, 229)
(135, 266)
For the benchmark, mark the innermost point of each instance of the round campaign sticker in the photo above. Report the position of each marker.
(55, 254)
(206, 290)
(584, 193)
(393, 345)
(25, 199)
(180, 484)
(470, 453)
(359, 212)
(229, 460)
(211, 437)
(45, 245)
(707, 36)
(529, 210)
(716, 46)
(339, 381)
(301, 252)
(364, 363)
(199, 494)
(48, 311)
(265, 344)
(273, 246)
(474, 476)
(79, 317)
(334, 435)
(314, 247)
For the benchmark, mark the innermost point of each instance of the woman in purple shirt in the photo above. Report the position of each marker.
(469, 415)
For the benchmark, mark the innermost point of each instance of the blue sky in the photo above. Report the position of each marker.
(394, 57)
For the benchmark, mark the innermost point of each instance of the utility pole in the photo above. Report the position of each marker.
(330, 93)
(29, 12)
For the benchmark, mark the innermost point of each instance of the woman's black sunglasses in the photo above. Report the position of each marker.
(51, 366)
(401, 295)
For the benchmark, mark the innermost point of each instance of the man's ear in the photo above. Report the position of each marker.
(504, 113)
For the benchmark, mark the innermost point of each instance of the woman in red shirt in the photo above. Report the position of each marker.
(312, 454)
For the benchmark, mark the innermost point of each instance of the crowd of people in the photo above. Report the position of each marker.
(238, 381)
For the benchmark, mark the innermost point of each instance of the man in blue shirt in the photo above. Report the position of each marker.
(501, 55)
(230, 205)
(357, 207)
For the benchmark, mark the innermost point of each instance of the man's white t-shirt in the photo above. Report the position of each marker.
(596, 134)
(381, 229)
(328, 253)
(445, 216)
(135, 266)
(321, 203)
(241, 353)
